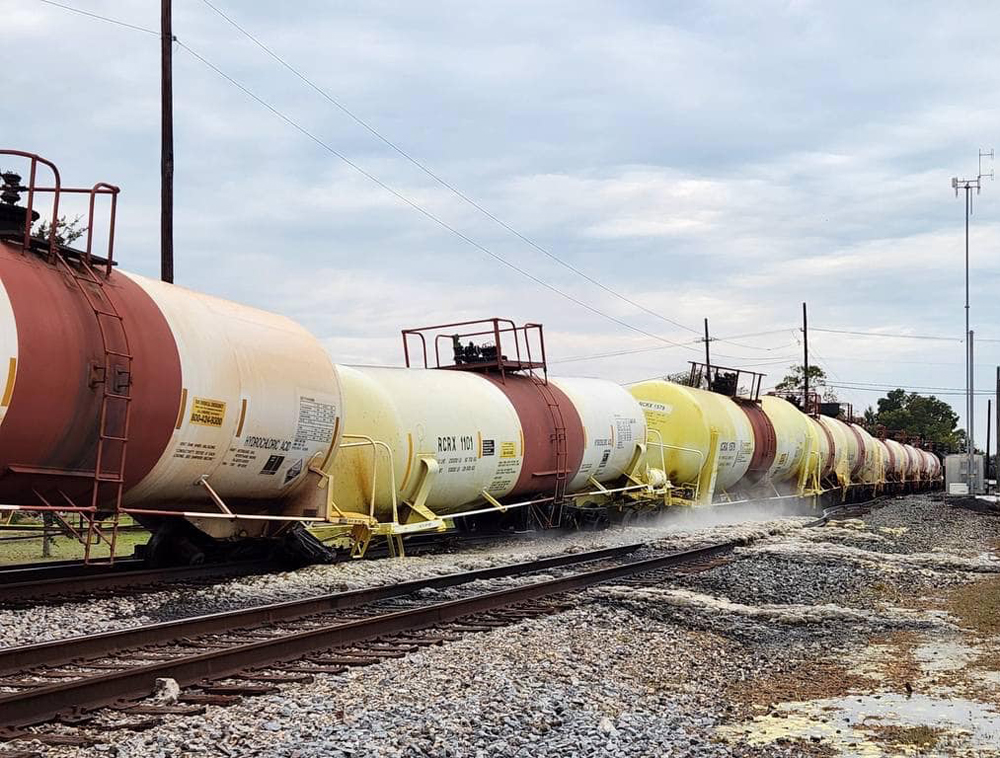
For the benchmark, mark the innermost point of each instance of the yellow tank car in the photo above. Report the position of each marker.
(702, 440)
(795, 443)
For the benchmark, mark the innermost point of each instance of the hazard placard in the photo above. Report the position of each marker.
(208, 412)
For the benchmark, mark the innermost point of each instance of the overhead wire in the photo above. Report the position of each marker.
(436, 177)
(933, 337)
(633, 351)
(99, 17)
(371, 177)
(431, 216)
(943, 391)
(419, 208)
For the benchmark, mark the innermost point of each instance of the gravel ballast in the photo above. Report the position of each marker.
(752, 657)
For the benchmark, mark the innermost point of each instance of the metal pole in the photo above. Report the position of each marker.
(968, 349)
(989, 427)
(805, 360)
(996, 463)
(166, 144)
(972, 389)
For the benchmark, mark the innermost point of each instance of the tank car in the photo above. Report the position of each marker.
(215, 423)
(129, 396)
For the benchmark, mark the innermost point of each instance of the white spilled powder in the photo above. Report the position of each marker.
(742, 534)
(793, 614)
(833, 533)
(890, 561)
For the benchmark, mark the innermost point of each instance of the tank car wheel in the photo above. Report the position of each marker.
(174, 544)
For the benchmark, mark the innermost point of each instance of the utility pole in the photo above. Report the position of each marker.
(805, 360)
(968, 185)
(972, 391)
(989, 426)
(996, 465)
(166, 144)
(708, 359)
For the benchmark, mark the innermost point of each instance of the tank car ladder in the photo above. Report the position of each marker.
(562, 451)
(116, 407)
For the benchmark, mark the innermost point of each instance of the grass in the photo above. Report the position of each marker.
(62, 547)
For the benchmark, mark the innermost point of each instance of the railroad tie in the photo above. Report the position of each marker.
(346, 660)
(276, 678)
(166, 710)
(196, 698)
(241, 690)
(139, 725)
(307, 669)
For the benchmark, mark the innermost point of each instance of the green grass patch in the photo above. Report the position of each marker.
(62, 547)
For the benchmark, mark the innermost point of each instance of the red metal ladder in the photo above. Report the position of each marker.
(116, 406)
(558, 437)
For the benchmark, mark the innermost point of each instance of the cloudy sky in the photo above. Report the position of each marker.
(727, 160)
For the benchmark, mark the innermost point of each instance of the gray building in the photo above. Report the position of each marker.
(956, 467)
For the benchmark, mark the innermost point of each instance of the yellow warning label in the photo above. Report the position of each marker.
(207, 412)
(508, 450)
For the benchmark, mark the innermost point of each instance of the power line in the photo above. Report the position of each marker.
(423, 211)
(951, 392)
(890, 360)
(99, 17)
(419, 208)
(934, 337)
(846, 382)
(472, 202)
(443, 182)
(887, 336)
(633, 351)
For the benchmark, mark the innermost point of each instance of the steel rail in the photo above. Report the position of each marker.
(69, 650)
(65, 581)
(60, 568)
(44, 703)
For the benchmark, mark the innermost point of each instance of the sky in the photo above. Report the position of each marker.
(720, 160)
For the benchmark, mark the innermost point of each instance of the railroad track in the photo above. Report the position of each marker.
(49, 583)
(33, 584)
(27, 586)
(221, 657)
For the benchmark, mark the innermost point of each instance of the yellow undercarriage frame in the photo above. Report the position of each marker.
(639, 487)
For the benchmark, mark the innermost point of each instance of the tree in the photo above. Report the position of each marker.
(67, 232)
(870, 418)
(793, 381)
(920, 416)
(680, 377)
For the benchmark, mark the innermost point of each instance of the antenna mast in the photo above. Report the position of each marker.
(968, 185)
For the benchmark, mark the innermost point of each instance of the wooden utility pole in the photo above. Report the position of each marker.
(708, 360)
(166, 144)
(805, 360)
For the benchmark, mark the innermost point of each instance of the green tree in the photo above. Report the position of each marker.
(794, 380)
(920, 416)
(870, 418)
(67, 231)
(680, 377)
